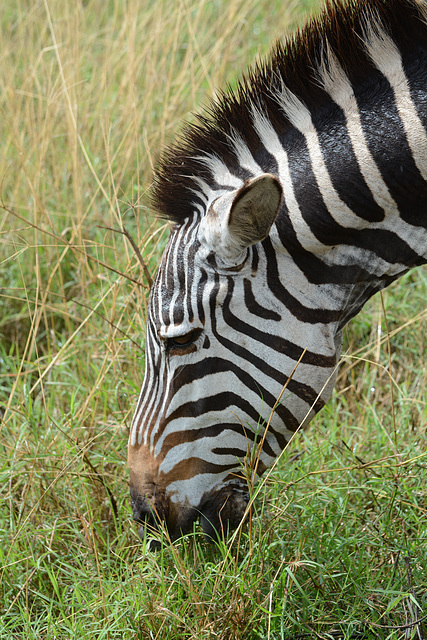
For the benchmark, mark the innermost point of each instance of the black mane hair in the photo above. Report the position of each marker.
(341, 25)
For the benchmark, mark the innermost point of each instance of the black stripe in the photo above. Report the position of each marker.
(415, 67)
(277, 343)
(190, 467)
(255, 259)
(200, 294)
(385, 244)
(152, 415)
(337, 151)
(253, 306)
(306, 262)
(230, 451)
(220, 402)
(178, 258)
(389, 147)
(188, 373)
(190, 277)
(312, 266)
(213, 431)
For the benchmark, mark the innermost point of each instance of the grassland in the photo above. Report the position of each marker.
(337, 547)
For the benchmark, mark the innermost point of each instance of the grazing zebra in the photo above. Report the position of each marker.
(293, 200)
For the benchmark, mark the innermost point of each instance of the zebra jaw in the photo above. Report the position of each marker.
(241, 218)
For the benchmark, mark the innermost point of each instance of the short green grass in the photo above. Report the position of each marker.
(337, 543)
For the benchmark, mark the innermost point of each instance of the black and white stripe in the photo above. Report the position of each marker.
(293, 201)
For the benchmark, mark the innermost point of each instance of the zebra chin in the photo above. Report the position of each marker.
(220, 512)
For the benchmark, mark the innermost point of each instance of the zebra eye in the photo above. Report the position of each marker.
(181, 344)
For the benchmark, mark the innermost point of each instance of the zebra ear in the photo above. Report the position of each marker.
(241, 218)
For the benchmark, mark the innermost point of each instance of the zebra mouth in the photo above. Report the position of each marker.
(220, 512)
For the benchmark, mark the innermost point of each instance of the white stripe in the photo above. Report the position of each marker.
(271, 142)
(300, 117)
(335, 82)
(220, 172)
(145, 400)
(189, 240)
(206, 194)
(188, 491)
(244, 156)
(155, 382)
(203, 449)
(298, 114)
(178, 235)
(163, 393)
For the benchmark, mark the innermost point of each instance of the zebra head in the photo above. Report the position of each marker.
(294, 200)
(216, 365)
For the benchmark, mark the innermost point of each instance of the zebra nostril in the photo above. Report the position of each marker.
(143, 512)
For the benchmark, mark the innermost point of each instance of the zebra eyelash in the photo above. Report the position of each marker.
(183, 344)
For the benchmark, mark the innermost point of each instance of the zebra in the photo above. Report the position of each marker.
(292, 200)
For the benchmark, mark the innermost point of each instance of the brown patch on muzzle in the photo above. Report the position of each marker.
(148, 501)
(151, 506)
(219, 510)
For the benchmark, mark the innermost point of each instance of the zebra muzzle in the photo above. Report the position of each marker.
(220, 512)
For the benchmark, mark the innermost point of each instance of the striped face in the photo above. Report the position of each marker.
(220, 349)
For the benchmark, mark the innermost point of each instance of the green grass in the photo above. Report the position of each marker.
(337, 543)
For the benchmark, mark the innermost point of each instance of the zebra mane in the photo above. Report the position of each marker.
(212, 144)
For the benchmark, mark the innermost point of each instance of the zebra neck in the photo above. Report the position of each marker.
(339, 275)
(353, 171)
(354, 174)
(339, 265)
